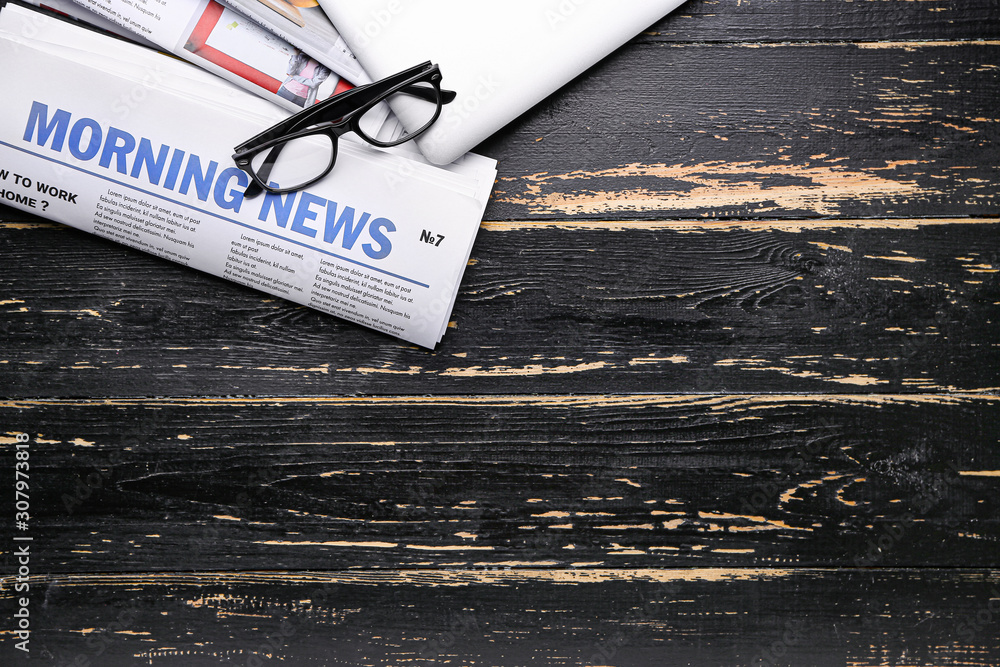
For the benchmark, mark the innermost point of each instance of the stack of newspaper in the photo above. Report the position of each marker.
(257, 44)
(127, 143)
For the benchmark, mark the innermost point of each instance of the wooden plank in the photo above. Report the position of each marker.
(520, 617)
(814, 130)
(822, 20)
(512, 481)
(827, 306)
(886, 129)
(734, 205)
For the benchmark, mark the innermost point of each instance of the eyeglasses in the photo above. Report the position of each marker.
(306, 143)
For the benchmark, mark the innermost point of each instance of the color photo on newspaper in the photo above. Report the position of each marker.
(240, 46)
(227, 43)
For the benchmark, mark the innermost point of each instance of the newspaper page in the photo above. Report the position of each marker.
(228, 44)
(77, 12)
(304, 24)
(382, 241)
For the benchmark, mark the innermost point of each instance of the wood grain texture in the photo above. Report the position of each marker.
(523, 617)
(809, 130)
(823, 20)
(840, 306)
(514, 481)
(721, 388)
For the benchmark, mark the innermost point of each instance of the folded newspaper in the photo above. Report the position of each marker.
(135, 146)
(225, 42)
(246, 51)
(303, 23)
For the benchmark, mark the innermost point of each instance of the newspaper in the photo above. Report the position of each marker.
(304, 24)
(78, 13)
(135, 146)
(225, 42)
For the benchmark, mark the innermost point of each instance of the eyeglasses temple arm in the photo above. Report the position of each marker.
(356, 97)
(333, 107)
(264, 171)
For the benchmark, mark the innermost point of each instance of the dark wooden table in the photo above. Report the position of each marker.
(721, 388)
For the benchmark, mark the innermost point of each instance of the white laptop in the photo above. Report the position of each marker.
(501, 57)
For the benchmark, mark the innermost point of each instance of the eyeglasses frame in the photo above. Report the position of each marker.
(347, 109)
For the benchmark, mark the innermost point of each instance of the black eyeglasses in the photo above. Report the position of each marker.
(306, 143)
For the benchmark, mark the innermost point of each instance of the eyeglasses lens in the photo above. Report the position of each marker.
(416, 112)
(299, 162)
